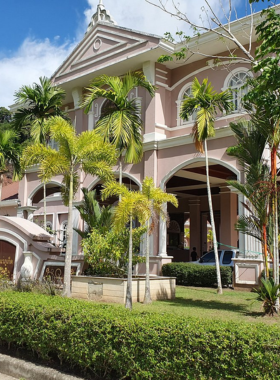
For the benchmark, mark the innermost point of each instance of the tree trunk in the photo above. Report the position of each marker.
(147, 297)
(128, 301)
(275, 219)
(45, 206)
(219, 281)
(69, 237)
(265, 251)
(120, 175)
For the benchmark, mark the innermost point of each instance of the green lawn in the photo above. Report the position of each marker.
(205, 303)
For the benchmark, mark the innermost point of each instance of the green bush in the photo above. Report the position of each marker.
(189, 274)
(113, 343)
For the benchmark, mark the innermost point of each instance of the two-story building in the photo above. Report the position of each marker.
(169, 157)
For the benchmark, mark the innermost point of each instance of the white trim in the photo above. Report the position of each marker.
(238, 266)
(153, 136)
(186, 139)
(9, 232)
(78, 67)
(163, 85)
(58, 264)
(241, 69)
(38, 264)
(34, 191)
(193, 160)
(9, 202)
(159, 76)
(116, 172)
(161, 71)
(194, 73)
(16, 254)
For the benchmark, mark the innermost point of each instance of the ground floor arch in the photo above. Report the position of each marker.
(188, 182)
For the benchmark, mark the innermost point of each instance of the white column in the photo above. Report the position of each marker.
(162, 235)
(76, 216)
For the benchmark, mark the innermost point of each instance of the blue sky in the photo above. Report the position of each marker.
(37, 35)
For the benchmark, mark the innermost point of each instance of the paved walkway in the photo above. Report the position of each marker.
(16, 369)
(6, 377)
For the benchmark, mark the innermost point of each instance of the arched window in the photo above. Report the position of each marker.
(236, 83)
(185, 92)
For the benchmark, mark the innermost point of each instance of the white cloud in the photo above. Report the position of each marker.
(37, 58)
(33, 59)
(142, 16)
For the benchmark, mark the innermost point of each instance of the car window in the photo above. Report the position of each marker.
(210, 257)
(227, 257)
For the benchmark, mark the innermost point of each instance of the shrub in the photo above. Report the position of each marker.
(106, 253)
(268, 294)
(188, 274)
(114, 343)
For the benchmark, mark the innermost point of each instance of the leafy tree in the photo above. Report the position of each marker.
(120, 121)
(206, 103)
(93, 215)
(132, 204)
(264, 99)
(106, 251)
(5, 115)
(38, 103)
(86, 152)
(157, 198)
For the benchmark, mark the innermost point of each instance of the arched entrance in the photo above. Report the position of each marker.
(7, 258)
(188, 183)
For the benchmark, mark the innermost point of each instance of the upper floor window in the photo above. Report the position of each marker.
(236, 84)
(184, 93)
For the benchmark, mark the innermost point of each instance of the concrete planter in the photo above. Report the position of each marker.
(110, 289)
(247, 273)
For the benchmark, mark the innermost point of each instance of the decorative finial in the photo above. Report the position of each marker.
(101, 15)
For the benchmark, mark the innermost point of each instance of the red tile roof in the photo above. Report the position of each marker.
(9, 190)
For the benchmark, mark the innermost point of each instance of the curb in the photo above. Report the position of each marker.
(29, 371)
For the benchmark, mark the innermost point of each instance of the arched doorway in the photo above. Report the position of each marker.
(7, 258)
(188, 183)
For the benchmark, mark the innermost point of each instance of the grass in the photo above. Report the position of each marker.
(205, 303)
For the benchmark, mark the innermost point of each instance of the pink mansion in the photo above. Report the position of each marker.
(169, 157)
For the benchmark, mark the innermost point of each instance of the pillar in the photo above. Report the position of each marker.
(162, 235)
(228, 207)
(204, 223)
(195, 226)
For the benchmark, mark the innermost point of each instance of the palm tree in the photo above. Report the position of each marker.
(39, 102)
(207, 103)
(86, 152)
(120, 121)
(94, 215)
(157, 199)
(9, 155)
(133, 204)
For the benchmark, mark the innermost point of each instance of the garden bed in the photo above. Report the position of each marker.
(111, 289)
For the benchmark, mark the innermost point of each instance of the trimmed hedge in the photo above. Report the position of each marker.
(189, 274)
(115, 343)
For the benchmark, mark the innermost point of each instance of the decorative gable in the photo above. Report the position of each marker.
(101, 46)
